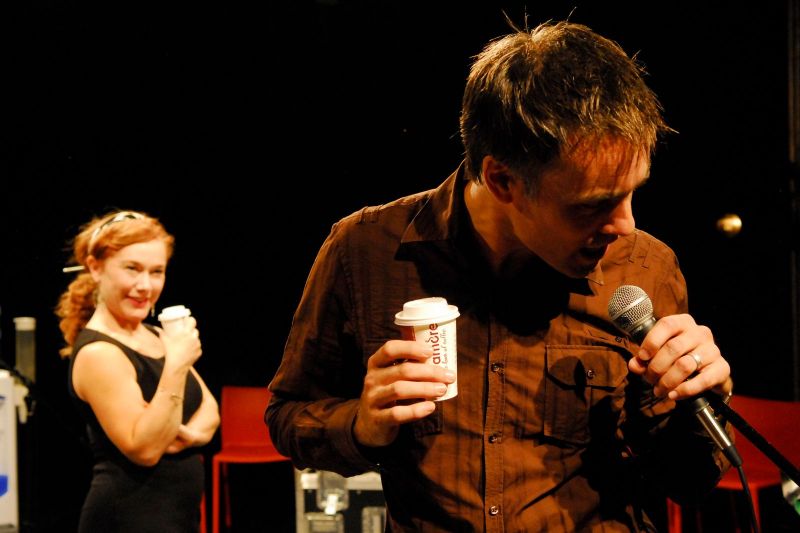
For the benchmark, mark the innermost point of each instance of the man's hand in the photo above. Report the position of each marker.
(398, 388)
(679, 358)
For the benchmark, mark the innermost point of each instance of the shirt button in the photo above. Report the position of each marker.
(494, 437)
(497, 367)
(618, 339)
(590, 374)
(494, 510)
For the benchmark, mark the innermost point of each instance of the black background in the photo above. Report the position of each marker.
(249, 128)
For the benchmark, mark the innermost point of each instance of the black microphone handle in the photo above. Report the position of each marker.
(699, 405)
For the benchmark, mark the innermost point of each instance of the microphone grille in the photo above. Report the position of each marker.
(628, 306)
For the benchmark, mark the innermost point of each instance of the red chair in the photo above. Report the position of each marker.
(245, 439)
(674, 517)
(203, 511)
(772, 419)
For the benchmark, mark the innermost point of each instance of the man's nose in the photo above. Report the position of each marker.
(620, 220)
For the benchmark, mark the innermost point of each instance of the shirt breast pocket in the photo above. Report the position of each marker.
(582, 390)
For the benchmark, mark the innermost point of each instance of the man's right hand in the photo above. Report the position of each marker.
(397, 390)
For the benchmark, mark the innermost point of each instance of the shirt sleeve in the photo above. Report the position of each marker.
(316, 388)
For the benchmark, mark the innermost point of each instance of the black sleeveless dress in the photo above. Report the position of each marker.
(128, 498)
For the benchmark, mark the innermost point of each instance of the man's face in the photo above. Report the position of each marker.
(582, 204)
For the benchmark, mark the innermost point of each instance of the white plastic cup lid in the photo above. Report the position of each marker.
(173, 313)
(24, 323)
(426, 311)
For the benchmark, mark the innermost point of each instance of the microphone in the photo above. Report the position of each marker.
(631, 310)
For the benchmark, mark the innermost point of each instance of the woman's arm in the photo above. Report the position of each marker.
(104, 378)
(202, 425)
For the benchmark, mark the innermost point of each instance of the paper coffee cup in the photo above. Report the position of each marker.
(433, 322)
(173, 319)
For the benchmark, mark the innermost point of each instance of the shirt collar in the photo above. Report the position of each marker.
(438, 219)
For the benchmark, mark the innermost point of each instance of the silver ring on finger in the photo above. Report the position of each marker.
(698, 360)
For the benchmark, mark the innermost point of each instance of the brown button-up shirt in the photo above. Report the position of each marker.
(549, 431)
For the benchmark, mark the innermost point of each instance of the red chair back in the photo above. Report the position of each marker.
(242, 416)
(776, 421)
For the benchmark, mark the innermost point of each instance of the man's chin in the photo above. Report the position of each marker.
(582, 268)
(578, 265)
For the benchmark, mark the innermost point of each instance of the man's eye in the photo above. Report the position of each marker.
(600, 206)
(591, 208)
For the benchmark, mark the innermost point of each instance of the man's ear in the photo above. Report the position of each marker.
(498, 179)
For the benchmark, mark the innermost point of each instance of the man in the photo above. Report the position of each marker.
(551, 429)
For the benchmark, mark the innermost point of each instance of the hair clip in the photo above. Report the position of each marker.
(76, 268)
(119, 217)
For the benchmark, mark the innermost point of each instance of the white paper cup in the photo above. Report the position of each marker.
(433, 322)
(174, 319)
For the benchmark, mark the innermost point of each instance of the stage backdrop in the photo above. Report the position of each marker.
(250, 129)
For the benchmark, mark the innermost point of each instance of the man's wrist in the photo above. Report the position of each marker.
(373, 454)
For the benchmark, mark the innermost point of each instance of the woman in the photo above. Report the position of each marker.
(146, 408)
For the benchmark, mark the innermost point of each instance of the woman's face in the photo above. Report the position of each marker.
(131, 280)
